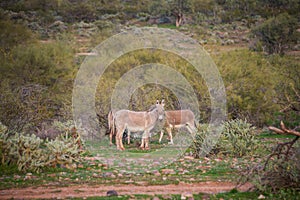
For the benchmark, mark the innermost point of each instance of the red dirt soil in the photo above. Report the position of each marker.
(100, 190)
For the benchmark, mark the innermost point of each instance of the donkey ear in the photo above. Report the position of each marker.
(157, 102)
(163, 102)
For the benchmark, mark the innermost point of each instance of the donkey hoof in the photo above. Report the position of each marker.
(121, 148)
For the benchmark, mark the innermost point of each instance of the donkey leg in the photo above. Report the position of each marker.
(142, 144)
(147, 141)
(147, 144)
(169, 130)
(128, 137)
(110, 138)
(144, 136)
(121, 141)
(161, 135)
(119, 138)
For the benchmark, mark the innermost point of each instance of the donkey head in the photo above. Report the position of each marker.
(160, 109)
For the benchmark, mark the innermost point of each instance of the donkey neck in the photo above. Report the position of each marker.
(152, 115)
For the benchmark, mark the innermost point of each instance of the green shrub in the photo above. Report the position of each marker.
(36, 84)
(277, 34)
(13, 34)
(250, 86)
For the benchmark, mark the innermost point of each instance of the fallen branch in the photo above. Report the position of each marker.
(284, 130)
(277, 175)
(279, 150)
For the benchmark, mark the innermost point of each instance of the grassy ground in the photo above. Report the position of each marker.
(105, 165)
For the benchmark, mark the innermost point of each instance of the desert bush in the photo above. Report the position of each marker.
(64, 151)
(198, 146)
(276, 172)
(80, 11)
(23, 150)
(236, 139)
(36, 84)
(13, 34)
(250, 86)
(287, 91)
(277, 34)
(4, 146)
(30, 153)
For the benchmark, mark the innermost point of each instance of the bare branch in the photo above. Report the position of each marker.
(284, 130)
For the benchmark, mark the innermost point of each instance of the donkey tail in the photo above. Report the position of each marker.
(111, 123)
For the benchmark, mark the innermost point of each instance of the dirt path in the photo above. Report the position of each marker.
(100, 190)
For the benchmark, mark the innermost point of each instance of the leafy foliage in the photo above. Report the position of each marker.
(36, 79)
(250, 85)
(277, 34)
(12, 34)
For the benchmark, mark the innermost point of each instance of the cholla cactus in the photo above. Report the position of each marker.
(63, 126)
(238, 138)
(63, 151)
(4, 146)
(29, 152)
(26, 150)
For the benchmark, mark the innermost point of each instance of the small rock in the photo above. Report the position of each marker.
(95, 175)
(129, 181)
(156, 173)
(107, 174)
(51, 175)
(111, 193)
(187, 195)
(113, 176)
(261, 197)
(167, 196)
(189, 157)
(80, 166)
(167, 171)
(17, 177)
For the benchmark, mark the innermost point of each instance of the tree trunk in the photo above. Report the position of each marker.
(179, 17)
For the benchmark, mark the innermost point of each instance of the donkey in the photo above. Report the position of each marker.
(135, 122)
(178, 119)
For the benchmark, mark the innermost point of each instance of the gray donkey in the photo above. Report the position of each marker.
(135, 122)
